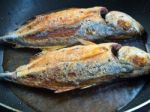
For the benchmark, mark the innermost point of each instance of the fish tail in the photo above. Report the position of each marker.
(10, 76)
(8, 37)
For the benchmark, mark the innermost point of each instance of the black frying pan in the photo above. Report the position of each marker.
(104, 98)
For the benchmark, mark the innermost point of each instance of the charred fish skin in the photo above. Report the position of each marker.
(67, 26)
(81, 67)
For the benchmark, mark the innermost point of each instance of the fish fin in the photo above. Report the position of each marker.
(86, 42)
(44, 51)
(88, 86)
(34, 57)
(18, 46)
(64, 89)
(52, 48)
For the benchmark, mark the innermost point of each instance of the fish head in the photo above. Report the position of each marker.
(111, 25)
(132, 61)
(125, 22)
(134, 56)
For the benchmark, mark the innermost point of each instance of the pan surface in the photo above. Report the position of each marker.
(96, 99)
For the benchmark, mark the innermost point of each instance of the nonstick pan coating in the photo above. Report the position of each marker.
(97, 99)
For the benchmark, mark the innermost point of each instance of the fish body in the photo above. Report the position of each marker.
(65, 28)
(80, 67)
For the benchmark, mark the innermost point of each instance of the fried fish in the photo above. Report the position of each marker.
(81, 67)
(73, 26)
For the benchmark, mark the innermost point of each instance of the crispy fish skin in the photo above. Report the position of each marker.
(67, 26)
(126, 22)
(81, 67)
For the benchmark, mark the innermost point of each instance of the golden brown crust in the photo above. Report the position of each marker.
(73, 54)
(62, 18)
(83, 66)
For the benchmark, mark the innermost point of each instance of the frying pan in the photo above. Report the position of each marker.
(114, 97)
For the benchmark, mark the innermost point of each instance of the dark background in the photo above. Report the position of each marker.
(15, 12)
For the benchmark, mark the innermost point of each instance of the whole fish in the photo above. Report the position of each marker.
(73, 26)
(81, 67)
